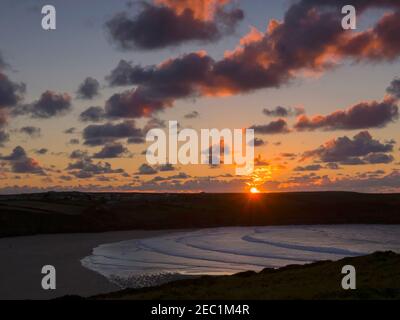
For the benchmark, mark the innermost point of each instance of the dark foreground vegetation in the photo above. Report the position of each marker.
(378, 277)
(96, 212)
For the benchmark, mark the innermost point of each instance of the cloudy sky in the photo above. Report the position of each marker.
(76, 103)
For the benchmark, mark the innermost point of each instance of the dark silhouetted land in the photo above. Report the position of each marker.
(72, 212)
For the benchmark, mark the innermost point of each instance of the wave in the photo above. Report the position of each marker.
(150, 261)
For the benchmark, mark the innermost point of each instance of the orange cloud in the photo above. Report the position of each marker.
(202, 9)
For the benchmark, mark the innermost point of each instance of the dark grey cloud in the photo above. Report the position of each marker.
(4, 136)
(92, 114)
(78, 154)
(33, 132)
(86, 168)
(111, 150)
(166, 167)
(95, 135)
(160, 26)
(70, 131)
(361, 149)
(377, 158)
(154, 123)
(88, 89)
(3, 119)
(136, 140)
(257, 142)
(283, 112)
(27, 165)
(42, 151)
(66, 178)
(363, 115)
(133, 104)
(74, 141)
(11, 93)
(288, 155)
(145, 169)
(197, 184)
(192, 115)
(312, 167)
(332, 166)
(20, 162)
(158, 86)
(394, 88)
(274, 127)
(179, 176)
(50, 104)
(18, 153)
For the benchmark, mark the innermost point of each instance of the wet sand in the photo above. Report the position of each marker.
(22, 259)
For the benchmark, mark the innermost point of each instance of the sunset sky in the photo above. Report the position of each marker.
(76, 102)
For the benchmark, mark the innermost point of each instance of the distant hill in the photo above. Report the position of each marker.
(69, 212)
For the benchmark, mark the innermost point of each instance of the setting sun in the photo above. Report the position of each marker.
(254, 190)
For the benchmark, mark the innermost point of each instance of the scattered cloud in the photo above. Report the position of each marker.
(308, 40)
(112, 150)
(192, 115)
(11, 93)
(166, 167)
(312, 167)
(79, 154)
(283, 112)
(86, 168)
(96, 135)
(362, 149)
(20, 162)
(74, 141)
(257, 142)
(394, 88)
(92, 114)
(170, 23)
(363, 115)
(154, 123)
(279, 126)
(70, 131)
(88, 89)
(41, 151)
(145, 169)
(50, 104)
(33, 132)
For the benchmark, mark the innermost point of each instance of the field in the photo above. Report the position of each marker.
(98, 212)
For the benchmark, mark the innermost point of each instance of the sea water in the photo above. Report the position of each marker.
(152, 261)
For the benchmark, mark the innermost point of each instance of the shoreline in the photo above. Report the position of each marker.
(22, 259)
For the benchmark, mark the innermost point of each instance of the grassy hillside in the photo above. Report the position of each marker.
(378, 277)
(91, 212)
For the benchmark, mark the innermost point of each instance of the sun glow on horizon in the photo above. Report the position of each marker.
(254, 190)
(259, 177)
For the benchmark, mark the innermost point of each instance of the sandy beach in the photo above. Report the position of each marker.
(22, 258)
